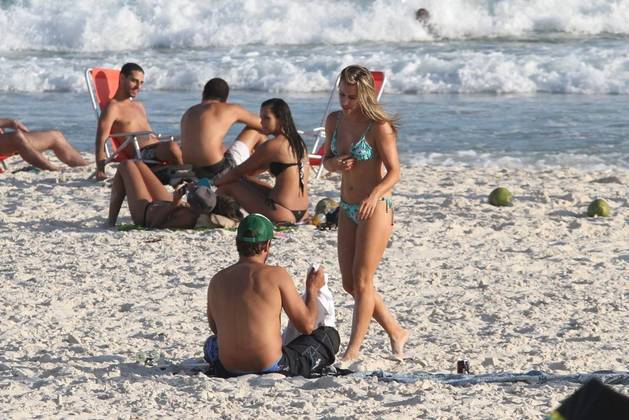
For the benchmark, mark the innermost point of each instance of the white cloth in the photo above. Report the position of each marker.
(239, 151)
(325, 313)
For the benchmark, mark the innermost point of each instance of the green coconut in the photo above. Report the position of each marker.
(600, 208)
(501, 197)
(325, 206)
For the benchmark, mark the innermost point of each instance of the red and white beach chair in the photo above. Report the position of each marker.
(318, 147)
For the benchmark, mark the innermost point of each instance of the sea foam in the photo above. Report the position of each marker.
(122, 25)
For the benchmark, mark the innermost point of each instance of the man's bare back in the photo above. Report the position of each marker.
(205, 125)
(250, 331)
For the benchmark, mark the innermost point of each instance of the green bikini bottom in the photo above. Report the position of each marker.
(351, 210)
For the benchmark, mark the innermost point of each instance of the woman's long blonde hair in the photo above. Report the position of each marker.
(360, 77)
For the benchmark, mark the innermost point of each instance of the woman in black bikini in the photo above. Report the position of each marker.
(285, 157)
(150, 204)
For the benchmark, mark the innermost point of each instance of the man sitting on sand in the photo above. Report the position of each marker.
(204, 126)
(124, 114)
(30, 145)
(244, 303)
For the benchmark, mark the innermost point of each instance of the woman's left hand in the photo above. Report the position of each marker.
(367, 207)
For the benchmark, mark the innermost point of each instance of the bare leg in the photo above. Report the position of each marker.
(170, 152)
(141, 187)
(17, 142)
(55, 141)
(254, 201)
(118, 194)
(251, 138)
(360, 250)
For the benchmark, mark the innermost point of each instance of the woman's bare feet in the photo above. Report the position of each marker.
(350, 356)
(397, 344)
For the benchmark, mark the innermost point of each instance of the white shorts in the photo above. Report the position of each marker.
(239, 151)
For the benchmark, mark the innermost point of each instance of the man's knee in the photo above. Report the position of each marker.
(174, 148)
(125, 165)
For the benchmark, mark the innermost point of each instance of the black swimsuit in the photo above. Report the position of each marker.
(148, 206)
(276, 168)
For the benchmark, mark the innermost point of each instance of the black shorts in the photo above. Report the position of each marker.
(148, 152)
(218, 169)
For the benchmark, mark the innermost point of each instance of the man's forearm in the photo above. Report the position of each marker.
(312, 305)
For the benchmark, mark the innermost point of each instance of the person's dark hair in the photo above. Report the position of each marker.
(280, 109)
(129, 68)
(249, 249)
(216, 88)
(422, 15)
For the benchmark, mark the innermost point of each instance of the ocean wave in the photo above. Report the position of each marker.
(574, 69)
(128, 25)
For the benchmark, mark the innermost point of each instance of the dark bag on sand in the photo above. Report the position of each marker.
(310, 355)
(331, 220)
(593, 401)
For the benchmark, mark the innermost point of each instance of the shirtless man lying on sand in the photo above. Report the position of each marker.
(30, 145)
(244, 303)
(124, 114)
(203, 130)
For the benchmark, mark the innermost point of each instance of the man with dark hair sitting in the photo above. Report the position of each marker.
(205, 125)
(244, 303)
(123, 114)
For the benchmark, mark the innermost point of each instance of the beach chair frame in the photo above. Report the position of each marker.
(315, 157)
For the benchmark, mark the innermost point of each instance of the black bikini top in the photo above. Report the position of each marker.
(276, 168)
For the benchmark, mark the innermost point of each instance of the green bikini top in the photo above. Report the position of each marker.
(361, 150)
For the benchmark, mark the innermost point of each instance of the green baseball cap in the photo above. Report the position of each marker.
(255, 228)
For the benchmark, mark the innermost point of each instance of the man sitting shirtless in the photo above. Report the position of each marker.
(123, 114)
(203, 130)
(244, 303)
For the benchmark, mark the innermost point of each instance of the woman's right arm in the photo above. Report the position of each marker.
(257, 162)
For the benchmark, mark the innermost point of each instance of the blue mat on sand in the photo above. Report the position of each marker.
(531, 377)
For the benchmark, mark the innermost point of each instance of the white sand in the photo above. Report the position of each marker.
(533, 286)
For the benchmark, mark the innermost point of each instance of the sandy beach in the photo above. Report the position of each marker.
(536, 286)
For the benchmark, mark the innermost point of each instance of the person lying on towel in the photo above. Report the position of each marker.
(244, 303)
(152, 206)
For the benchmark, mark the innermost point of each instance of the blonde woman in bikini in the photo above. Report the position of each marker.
(361, 145)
